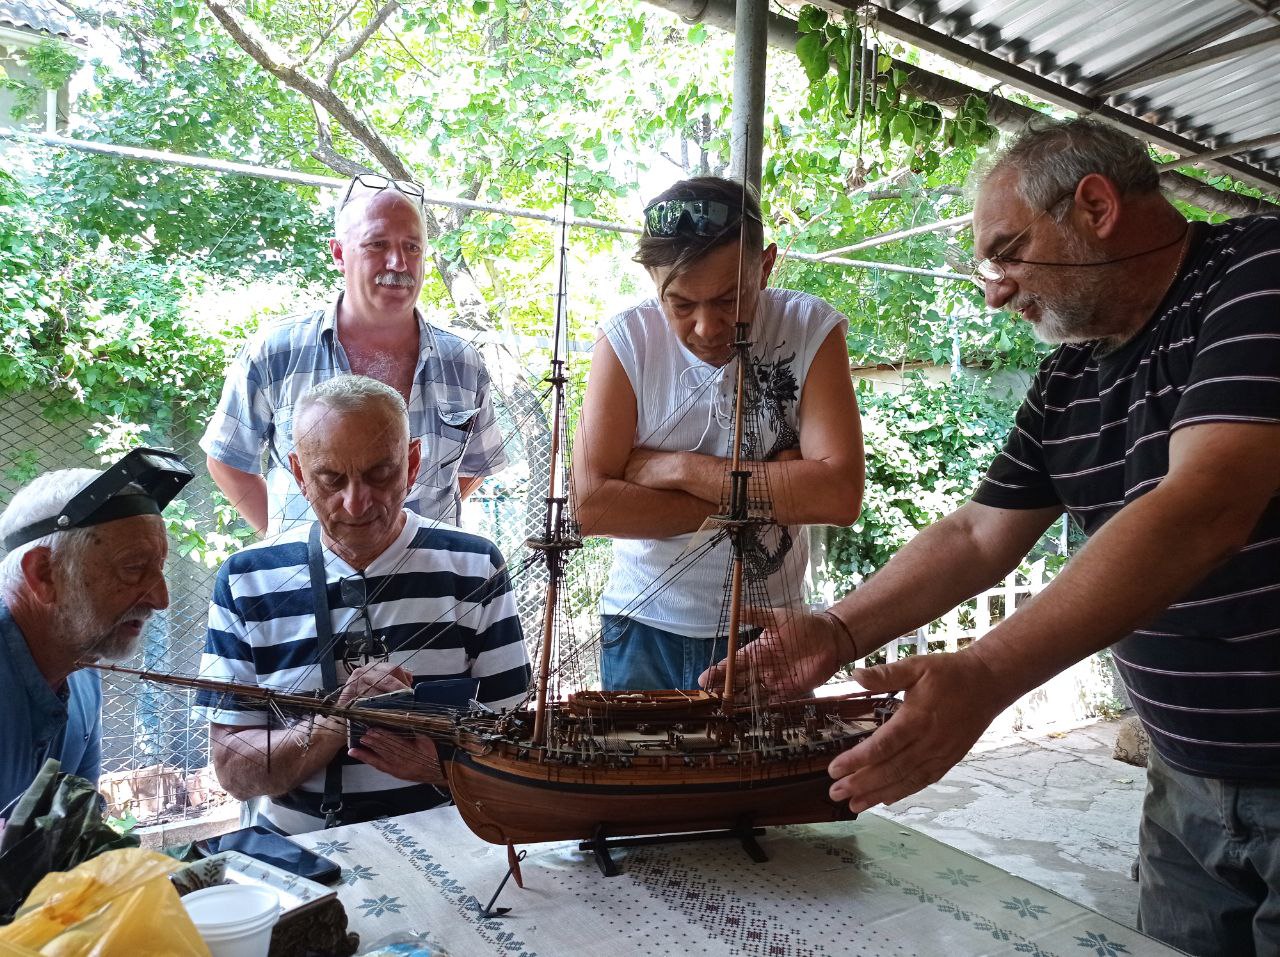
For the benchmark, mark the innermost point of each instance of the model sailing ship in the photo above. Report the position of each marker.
(587, 764)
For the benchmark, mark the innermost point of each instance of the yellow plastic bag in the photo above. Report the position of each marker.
(119, 904)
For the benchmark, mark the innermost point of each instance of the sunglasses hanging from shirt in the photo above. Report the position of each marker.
(361, 647)
(158, 473)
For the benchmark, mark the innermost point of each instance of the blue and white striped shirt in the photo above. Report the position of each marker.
(441, 600)
(449, 410)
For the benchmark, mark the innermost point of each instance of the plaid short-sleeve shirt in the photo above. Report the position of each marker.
(449, 410)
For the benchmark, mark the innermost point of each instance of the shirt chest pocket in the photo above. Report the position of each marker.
(449, 430)
(282, 440)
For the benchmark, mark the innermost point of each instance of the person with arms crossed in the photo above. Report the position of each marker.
(657, 423)
(371, 598)
(372, 328)
(1155, 425)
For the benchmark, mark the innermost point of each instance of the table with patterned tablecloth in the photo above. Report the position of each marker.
(869, 887)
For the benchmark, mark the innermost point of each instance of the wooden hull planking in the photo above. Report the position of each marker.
(509, 792)
(504, 804)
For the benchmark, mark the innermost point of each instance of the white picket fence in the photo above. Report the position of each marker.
(1084, 690)
(973, 618)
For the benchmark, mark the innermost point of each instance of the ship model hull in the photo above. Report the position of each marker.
(660, 775)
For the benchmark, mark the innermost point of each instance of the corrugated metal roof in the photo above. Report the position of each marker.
(40, 16)
(1205, 70)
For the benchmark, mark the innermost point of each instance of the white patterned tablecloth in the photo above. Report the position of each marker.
(869, 887)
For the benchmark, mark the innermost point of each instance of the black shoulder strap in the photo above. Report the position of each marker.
(331, 804)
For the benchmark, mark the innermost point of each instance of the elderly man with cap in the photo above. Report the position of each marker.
(83, 571)
(373, 328)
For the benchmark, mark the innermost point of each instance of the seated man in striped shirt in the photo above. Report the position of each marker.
(371, 598)
(1156, 426)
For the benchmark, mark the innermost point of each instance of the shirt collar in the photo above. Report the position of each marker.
(329, 328)
(386, 563)
(22, 667)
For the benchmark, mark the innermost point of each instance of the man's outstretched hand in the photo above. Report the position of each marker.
(795, 653)
(949, 700)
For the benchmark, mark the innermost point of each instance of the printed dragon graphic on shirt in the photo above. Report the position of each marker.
(772, 391)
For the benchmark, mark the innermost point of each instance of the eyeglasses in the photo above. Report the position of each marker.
(360, 648)
(991, 270)
(692, 217)
(405, 187)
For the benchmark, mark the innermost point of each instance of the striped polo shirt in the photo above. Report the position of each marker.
(450, 410)
(441, 600)
(1093, 435)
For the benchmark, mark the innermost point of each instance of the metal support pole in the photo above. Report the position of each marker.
(750, 55)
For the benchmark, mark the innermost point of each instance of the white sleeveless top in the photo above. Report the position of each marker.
(684, 404)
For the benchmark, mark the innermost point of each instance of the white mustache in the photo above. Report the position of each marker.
(393, 279)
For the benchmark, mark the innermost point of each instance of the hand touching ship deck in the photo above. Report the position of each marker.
(946, 706)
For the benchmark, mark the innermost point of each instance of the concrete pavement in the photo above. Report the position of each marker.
(1055, 809)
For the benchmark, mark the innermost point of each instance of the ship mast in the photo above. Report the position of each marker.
(559, 533)
(737, 512)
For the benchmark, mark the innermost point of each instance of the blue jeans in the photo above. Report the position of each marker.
(638, 657)
(1209, 863)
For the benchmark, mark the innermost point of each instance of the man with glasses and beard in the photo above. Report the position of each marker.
(83, 570)
(656, 432)
(372, 328)
(371, 598)
(1155, 425)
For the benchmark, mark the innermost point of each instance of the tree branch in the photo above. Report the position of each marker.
(274, 60)
(422, 66)
(324, 37)
(352, 48)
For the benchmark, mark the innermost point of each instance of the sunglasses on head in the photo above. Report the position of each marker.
(692, 217)
(372, 181)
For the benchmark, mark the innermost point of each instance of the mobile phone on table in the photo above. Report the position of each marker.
(266, 845)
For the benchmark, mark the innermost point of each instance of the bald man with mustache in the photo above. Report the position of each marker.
(372, 328)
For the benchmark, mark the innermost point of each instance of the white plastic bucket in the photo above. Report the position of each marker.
(235, 920)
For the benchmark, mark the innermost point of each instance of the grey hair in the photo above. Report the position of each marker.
(44, 498)
(353, 393)
(1050, 158)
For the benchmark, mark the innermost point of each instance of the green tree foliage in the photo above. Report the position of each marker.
(891, 163)
(181, 86)
(483, 100)
(928, 447)
(106, 329)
